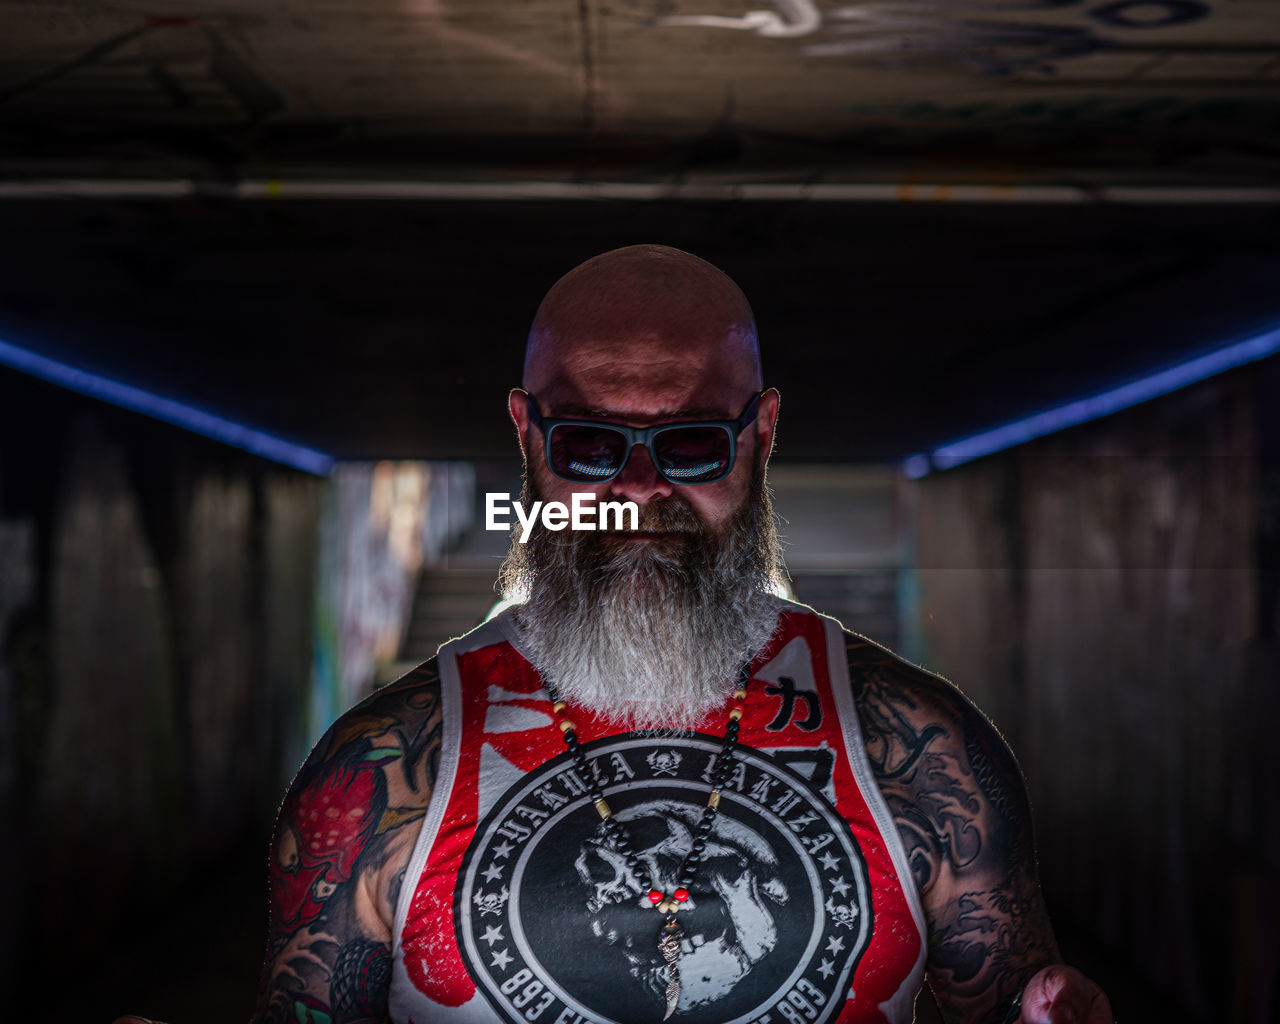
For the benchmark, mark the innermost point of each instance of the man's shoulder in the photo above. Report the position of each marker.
(909, 714)
(950, 780)
(878, 674)
(417, 691)
(414, 695)
(343, 840)
(398, 725)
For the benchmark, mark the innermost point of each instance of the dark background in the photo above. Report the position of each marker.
(334, 224)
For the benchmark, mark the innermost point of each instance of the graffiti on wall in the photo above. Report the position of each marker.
(996, 37)
(382, 523)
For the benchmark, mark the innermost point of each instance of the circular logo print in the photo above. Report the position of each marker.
(554, 927)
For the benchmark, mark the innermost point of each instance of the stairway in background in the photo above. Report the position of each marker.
(447, 603)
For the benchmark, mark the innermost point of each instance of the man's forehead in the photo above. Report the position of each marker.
(619, 399)
(612, 383)
(676, 363)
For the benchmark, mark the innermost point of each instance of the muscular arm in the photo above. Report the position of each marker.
(960, 806)
(343, 839)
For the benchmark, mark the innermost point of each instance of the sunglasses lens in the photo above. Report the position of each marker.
(693, 455)
(587, 453)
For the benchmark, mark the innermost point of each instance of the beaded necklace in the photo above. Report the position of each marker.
(671, 934)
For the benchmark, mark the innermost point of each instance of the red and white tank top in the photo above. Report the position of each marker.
(514, 909)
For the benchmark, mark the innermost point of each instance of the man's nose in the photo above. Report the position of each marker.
(640, 480)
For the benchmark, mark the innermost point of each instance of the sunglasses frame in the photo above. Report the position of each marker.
(645, 436)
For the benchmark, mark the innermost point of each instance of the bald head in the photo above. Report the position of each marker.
(646, 317)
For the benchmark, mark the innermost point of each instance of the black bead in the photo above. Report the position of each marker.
(699, 845)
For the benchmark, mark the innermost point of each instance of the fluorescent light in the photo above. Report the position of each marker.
(1083, 410)
(157, 407)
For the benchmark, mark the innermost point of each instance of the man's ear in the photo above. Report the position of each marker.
(518, 408)
(766, 421)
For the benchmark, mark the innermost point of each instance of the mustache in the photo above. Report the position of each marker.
(672, 514)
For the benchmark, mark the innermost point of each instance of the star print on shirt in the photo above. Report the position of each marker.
(501, 960)
(503, 849)
(829, 861)
(826, 968)
(492, 935)
(493, 873)
(839, 885)
(835, 945)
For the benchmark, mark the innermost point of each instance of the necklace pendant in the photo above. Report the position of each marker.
(669, 946)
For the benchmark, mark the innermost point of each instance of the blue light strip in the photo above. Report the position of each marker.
(1084, 410)
(135, 399)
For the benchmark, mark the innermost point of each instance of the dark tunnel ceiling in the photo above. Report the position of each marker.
(372, 330)
(393, 328)
(1170, 89)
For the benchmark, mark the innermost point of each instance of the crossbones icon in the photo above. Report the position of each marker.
(664, 762)
(491, 902)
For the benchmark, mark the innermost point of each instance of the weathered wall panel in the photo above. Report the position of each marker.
(155, 655)
(968, 600)
(1096, 592)
(288, 536)
(105, 783)
(217, 633)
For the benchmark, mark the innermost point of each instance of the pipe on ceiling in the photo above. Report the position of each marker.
(562, 191)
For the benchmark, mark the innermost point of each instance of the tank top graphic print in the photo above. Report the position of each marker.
(515, 910)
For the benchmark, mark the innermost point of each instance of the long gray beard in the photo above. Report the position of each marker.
(648, 635)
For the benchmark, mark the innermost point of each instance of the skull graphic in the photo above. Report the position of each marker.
(491, 902)
(664, 762)
(728, 921)
(845, 915)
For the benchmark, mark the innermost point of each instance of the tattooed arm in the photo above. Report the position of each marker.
(960, 805)
(343, 840)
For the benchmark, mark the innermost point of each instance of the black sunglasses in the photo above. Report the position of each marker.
(688, 452)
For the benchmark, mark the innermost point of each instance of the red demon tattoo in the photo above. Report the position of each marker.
(325, 827)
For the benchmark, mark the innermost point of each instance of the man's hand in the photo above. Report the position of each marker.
(1062, 995)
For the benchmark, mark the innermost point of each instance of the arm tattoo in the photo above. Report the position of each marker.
(343, 839)
(960, 807)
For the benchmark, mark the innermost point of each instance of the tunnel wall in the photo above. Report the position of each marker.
(1108, 596)
(156, 605)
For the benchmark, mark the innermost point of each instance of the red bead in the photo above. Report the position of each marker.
(681, 895)
(655, 896)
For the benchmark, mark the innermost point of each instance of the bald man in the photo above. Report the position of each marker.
(654, 790)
